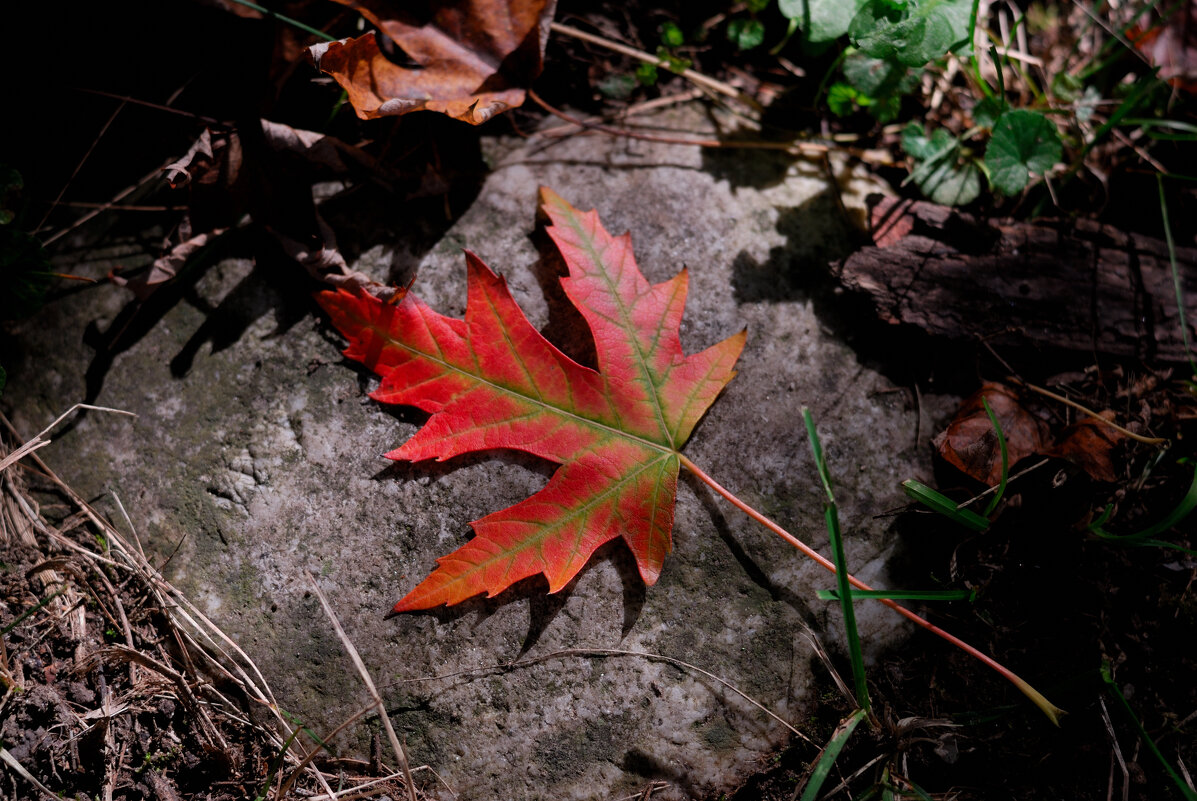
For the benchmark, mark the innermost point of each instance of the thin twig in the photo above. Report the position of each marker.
(995, 487)
(649, 58)
(1047, 393)
(1117, 750)
(83, 204)
(585, 652)
(121, 195)
(103, 130)
(1047, 707)
(804, 148)
(37, 442)
(400, 751)
(630, 111)
(12, 762)
(1104, 25)
(212, 121)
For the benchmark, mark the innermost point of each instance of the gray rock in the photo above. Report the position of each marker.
(256, 449)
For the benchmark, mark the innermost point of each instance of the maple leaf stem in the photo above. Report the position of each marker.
(1053, 712)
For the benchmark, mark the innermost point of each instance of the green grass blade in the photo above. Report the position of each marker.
(997, 428)
(832, 519)
(1175, 125)
(288, 20)
(1108, 677)
(1124, 110)
(1145, 537)
(301, 726)
(942, 504)
(275, 767)
(903, 595)
(817, 448)
(21, 617)
(832, 752)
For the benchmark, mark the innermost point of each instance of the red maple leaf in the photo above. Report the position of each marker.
(492, 381)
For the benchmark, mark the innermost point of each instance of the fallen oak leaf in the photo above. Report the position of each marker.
(493, 381)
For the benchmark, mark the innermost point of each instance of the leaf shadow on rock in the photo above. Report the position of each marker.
(566, 327)
(272, 285)
(437, 182)
(138, 318)
(766, 168)
(751, 569)
(800, 270)
(816, 234)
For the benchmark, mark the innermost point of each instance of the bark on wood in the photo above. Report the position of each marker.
(1052, 284)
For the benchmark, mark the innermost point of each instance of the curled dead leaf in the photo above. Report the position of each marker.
(469, 59)
(266, 172)
(167, 267)
(970, 442)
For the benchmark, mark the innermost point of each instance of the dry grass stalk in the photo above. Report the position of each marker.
(170, 654)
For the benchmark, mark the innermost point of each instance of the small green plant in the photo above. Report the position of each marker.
(892, 42)
(1022, 142)
(874, 84)
(945, 170)
(820, 21)
(749, 33)
(671, 39)
(913, 34)
(948, 171)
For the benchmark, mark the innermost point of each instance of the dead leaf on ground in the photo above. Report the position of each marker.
(1089, 443)
(267, 174)
(1171, 45)
(970, 443)
(167, 267)
(470, 59)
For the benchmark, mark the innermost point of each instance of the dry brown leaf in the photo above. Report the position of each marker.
(267, 173)
(167, 267)
(970, 443)
(470, 59)
(1089, 443)
(1171, 45)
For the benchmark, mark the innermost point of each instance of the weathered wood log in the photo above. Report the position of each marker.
(1050, 284)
